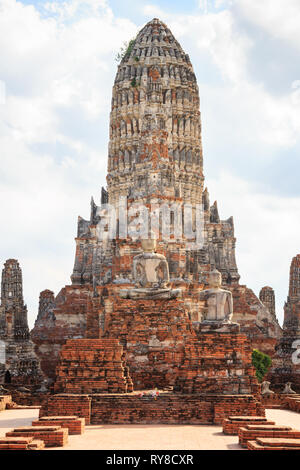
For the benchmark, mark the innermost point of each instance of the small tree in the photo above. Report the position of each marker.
(262, 363)
(126, 50)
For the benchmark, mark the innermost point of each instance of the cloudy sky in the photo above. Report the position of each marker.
(56, 73)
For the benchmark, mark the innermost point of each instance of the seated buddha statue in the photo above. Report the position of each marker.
(218, 309)
(151, 275)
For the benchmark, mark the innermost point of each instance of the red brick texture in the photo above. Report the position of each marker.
(167, 408)
(274, 444)
(5, 400)
(74, 424)
(252, 432)
(67, 405)
(52, 436)
(232, 424)
(92, 366)
(21, 443)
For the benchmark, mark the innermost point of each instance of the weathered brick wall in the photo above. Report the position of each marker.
(92, 366)
(56, 325)
(4, 400)
(217, 363)
(67, 405)
(260, 326)
(153, 334)
(168, 408)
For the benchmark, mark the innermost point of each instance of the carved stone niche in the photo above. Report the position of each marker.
(151, 275)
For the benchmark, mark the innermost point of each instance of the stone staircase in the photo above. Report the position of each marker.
(257, 433)
(232, 424)
(74, 424)
(48, 431)
(21, 443)
(252, 432)
(53, 436)
(271, 443)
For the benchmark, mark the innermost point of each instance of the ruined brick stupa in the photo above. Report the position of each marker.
(286, 362)
(146, 339)
(18, 362)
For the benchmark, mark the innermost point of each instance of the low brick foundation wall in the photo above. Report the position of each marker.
(28, 399)
(280, 401)
(167, 408)
(4, 400)
(67, 405)
(292, 402)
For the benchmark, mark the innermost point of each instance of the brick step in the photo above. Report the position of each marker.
(74, 424)
(274, 444)
(21, 443)
(273, 406)
(53, 436)
(232, 424)
(15, 406)
(250, 433)
(36, 444)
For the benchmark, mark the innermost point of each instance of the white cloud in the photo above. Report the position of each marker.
(279, 18)
(58, 74)
(272, 121)
(266, 227)
(153, 11)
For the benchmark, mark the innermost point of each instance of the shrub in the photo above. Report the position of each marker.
(125, 50)
(262, 363)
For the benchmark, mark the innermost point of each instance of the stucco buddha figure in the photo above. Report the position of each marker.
(218, 309)
(151, 275)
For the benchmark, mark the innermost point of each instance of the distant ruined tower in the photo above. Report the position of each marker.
(267, 297)
(14, 323)
(284, 367)
(46, 305)
(292, 307)
(21, 364)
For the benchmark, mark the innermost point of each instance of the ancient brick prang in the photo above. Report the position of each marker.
(255, 319)
(13, 320)
(286, 363)
(21, 365)
(267, 297)
(154, 157)
(58, 320)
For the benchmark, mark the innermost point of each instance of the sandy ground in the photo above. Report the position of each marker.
(146, 437)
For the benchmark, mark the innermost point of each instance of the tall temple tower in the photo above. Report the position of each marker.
(21, 364)
(154, 158)
(155, 144)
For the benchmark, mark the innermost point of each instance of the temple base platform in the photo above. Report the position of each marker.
(146, 408)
